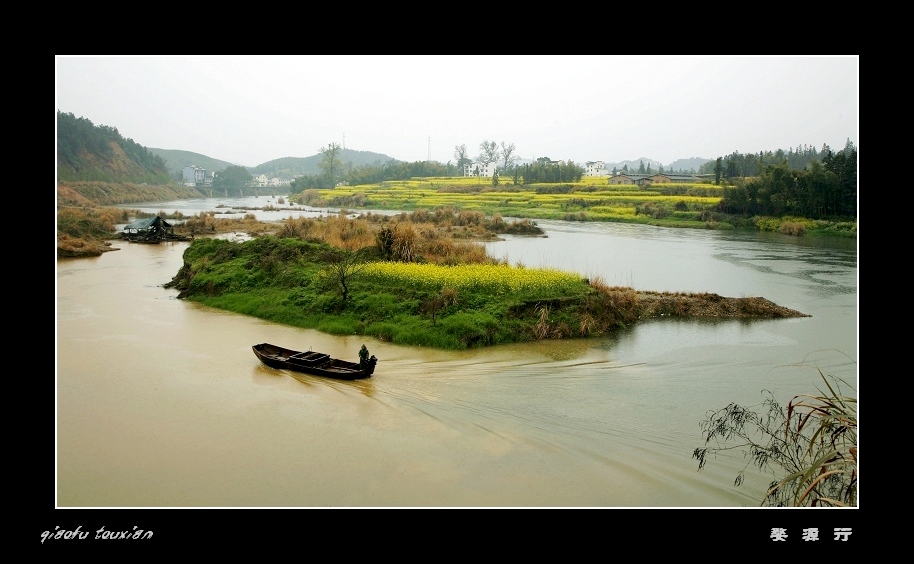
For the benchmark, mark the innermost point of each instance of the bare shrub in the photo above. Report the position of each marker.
(541, 329)
(561, 331)
(405, 244)
(449, 295)
(420, 216)
(469, 218)
(597, 283)
(301, 228)
(792, 228)
(203, 222)
(586, 324)
(652, 209)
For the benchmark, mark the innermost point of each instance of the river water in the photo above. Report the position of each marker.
(162, 403)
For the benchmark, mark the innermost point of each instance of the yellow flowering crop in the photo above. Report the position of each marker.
(498, 279)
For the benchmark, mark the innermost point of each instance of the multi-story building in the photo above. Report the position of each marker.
(595, 168)
(194, 175)
(487, 170)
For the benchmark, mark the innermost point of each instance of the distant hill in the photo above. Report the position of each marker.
(291, 167)
(685, 165)
(688, 165)
(286, 167)
(177, 160)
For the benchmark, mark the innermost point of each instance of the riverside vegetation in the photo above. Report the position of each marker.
(809, 448)
(419, 278)
(407, 280)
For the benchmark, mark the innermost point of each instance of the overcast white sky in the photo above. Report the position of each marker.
(248, 110)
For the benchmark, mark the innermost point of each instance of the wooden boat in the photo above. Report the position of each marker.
(316, 363)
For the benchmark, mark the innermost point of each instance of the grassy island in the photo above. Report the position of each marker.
(399, 280)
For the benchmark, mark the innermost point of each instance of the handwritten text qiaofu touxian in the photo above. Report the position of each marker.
(101, 534)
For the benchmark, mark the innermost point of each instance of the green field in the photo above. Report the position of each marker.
(591, 199)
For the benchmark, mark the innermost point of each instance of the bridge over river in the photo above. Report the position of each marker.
(241, 191)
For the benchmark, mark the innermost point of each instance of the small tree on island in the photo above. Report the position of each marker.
(342, 267)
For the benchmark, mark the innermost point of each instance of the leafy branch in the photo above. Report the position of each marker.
(809, 447)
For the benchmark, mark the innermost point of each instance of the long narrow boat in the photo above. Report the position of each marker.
(316, 363)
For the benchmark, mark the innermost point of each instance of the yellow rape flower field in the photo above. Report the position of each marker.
(499, 279)
(591, 199)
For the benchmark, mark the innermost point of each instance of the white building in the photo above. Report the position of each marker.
(595, 168)
(194, 175)
(484, 170)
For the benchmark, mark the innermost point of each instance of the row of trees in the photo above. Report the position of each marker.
(737, 165)
(648, 170)
(543, 170)
(546, 170)
(825, 189)
(334, 170)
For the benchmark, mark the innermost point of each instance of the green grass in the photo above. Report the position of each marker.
(281, 280)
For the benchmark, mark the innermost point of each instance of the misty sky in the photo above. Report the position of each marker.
(248, 110)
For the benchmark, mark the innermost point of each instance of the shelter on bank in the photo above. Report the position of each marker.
(149, 230)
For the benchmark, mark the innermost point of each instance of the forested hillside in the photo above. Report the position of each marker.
(86, 152)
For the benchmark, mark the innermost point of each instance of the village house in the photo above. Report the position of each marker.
(628, 178)
(648, 179)
(487, 170)
(674, 178)
(595, 168)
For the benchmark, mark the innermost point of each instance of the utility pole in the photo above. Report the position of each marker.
(429, 159)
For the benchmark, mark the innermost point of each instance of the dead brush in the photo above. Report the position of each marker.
(541, 329)
(586, 325)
